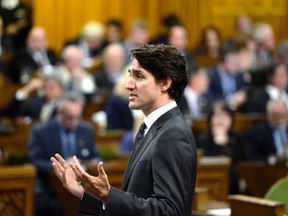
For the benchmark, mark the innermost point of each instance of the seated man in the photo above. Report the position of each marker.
(37, 100)
(67, 135)
(268, 141)
(35, 58)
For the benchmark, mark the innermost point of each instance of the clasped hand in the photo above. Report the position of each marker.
(77, 181)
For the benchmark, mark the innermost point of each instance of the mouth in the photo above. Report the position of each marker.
(132, 96)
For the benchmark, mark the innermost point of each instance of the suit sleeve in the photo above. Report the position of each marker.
(37, 151)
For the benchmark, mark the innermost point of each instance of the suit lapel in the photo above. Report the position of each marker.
(145, 143)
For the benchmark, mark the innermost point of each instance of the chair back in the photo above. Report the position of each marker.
(279, 192)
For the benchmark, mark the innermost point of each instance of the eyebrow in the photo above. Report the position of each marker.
(134, 70)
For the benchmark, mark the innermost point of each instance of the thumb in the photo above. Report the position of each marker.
(101, 171)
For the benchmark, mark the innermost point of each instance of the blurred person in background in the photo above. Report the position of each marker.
(194, 103)
(107, 76)
(178, 38)
(17, 17)
(222, 140)
(74, 75)
(66, 134)
(243, 29)
(227, 81)
(263, 34)
(138, 34)
(37, 100)
(91, 43)
(268, 141)
(209, 50)
(275, 87)
(168, 21)
(114, 32)
(281, 53)
(7, 50)
(35, 58)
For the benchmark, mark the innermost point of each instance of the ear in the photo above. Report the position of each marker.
(165, 84)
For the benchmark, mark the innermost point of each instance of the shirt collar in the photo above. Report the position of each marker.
(152, 117)
(272, 91)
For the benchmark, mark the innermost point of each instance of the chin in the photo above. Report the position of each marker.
(134, 106)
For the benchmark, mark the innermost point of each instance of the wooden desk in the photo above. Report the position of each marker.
(242, 205)
(17, 190)
(17, 139)
(213, 173)
(260, 176)
(242, 123)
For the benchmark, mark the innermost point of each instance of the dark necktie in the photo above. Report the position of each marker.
(139, 137)
(69, 145)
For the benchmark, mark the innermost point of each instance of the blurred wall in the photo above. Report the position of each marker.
(63, 19)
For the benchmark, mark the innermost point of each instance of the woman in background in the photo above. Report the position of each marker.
(222, 140)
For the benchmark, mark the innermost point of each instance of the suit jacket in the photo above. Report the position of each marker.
(119, 115)
(259, 142)
(27, 108)
(159, 178)
(203, 106)
(257, 103)
(25, 61)
(103, 83)
(216, 90)
(45, 141)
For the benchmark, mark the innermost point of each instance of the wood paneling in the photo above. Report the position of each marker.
(64, 19)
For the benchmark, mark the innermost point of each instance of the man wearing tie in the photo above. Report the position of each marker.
(67, 135)
(161, 173)
(268, 141)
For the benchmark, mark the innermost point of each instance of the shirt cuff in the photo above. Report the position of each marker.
(20, 95)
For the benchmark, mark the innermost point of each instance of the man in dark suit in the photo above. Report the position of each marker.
(37, 107)
(194, 103)
(35, 57)
(66, 135)
(113, 63)
(227, 82)
(268, 140)
(275, 87)
(161, 173)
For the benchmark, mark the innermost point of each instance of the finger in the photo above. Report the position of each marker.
(62, 161)
(78, 170)
(58, 169)
(101, 171)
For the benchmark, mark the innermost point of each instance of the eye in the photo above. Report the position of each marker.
(139, 76)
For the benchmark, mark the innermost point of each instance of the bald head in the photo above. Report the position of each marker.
(37, 39)
(72, 57)
(114, 57)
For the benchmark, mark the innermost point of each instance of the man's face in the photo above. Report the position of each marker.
(278, 116)
(144, 92)
(37, 40)
(71, 114)
(280, 78)
(52, 90)
(231, 63)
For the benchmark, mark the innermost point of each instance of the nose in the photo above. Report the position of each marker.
(130, 84)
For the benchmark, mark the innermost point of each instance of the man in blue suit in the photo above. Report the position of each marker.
(161, 173)
(227, 82)
(67, 135)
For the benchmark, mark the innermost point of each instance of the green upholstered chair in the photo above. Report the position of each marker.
(279, 192)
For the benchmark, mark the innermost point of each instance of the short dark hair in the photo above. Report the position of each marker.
(222, 105)
(163, 62)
